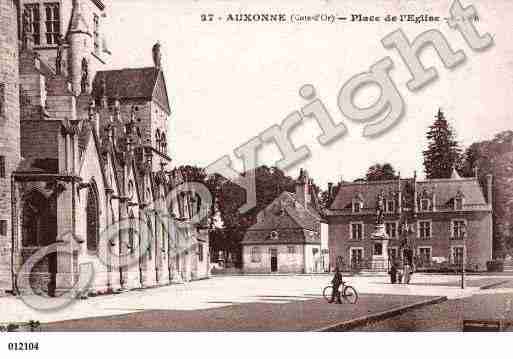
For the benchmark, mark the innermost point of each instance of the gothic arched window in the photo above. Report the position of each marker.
(93, 220)
(131, 234)
(157, 140)
(163, 142)
(149, 236)
(35, 209)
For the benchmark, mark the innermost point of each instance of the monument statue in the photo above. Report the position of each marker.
(380, 230)
(59, 58)
(380, 207)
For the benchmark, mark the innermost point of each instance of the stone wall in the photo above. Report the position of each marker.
(9, 126)
(478, 240)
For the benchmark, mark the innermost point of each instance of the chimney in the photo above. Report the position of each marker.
(330, 190)
(489, 188)
(303, 188)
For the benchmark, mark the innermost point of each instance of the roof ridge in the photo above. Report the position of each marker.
(130, 69)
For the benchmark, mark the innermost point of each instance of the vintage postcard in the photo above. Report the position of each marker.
(253, 166)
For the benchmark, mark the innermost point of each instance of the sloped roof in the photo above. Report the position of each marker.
(368, 191)
(444, 190)
(140, 83)
(285, 215)
(77, 22)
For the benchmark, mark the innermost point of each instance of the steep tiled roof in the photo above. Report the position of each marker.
(368, 191)
(126, 83)
(444, 191)
(141, 83)
(289, 218)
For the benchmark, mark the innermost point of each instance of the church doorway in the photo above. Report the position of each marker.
(39, 225)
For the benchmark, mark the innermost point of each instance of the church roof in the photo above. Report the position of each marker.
(77, 23)
(141, 83)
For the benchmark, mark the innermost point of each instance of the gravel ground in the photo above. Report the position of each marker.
(294, 316)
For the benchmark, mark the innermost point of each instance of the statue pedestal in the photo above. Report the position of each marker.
(379, 248)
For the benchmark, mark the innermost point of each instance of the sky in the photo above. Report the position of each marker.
(228, 82)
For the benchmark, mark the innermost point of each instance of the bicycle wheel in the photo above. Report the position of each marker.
(326, 293)
(350, 295)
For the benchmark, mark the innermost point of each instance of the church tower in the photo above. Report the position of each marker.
(79, 38)
(9, 128)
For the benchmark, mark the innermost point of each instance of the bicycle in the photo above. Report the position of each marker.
(348, 293)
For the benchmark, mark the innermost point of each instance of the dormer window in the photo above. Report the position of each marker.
(390, 206)
(357, 206)
(425, 204)
(458, 201)
(458, 204)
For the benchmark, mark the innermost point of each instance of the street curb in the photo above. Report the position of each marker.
(352, 323)
(493, 285)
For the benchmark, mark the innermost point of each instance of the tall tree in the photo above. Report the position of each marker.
(380, 172)
(495, 157)
(229, 197)
(443, 153)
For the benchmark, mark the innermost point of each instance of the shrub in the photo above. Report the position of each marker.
(495, 266)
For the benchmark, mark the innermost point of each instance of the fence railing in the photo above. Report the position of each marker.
(419, 265)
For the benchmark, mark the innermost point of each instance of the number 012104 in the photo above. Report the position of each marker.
(21, 346)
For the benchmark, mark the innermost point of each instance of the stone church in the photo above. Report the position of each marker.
(83, 149)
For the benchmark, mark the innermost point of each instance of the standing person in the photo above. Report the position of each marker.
(336, 282)
(393, 273)
(407, 272)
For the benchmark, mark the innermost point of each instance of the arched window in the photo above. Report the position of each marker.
(131, 234)
(163, 142)
(157, 140)
(93, 220)
(131, 189)
(149, 236)
(35, 214)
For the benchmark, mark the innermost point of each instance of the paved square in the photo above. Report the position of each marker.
(246, 303)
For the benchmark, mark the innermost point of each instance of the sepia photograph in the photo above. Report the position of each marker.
(193, 167)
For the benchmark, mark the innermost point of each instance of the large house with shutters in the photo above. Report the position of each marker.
(426, 222)
(290, 235)
(84, 161)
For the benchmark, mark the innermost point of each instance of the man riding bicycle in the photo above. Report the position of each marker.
(337, 282)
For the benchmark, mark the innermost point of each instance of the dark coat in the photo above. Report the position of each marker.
(337, 279)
